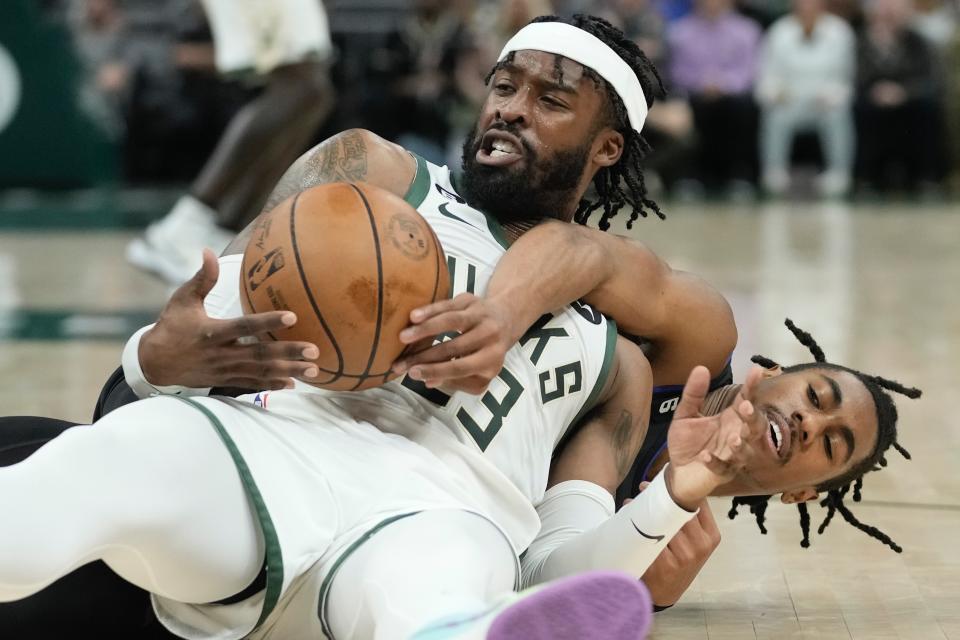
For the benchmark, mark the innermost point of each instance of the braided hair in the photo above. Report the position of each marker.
(838, 488)
(621, 184)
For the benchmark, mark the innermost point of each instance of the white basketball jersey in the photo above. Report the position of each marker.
(551, 378)
(502, 441)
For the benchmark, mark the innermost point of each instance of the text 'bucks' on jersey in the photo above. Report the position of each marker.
(550, 379)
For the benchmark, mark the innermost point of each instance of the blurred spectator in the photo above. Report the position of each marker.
(642, 22)
(764, 11)
(669, 125)
(898, 113)
(673, 10)
(101, 42)
(849, 10)
(570, 7)
(413, 85)
(806, 83)
(936, 20)
(713, 58)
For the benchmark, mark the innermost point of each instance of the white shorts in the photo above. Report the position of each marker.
(257, 36)
(319, 488)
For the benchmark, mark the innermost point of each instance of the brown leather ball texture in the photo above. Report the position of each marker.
(352, 261)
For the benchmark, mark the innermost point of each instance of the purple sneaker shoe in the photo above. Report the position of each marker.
(598, 605)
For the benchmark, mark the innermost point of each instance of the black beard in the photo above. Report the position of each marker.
(541, 189)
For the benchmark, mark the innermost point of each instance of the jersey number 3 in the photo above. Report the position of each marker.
(498, 408)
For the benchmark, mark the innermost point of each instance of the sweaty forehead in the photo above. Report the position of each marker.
(550, 67)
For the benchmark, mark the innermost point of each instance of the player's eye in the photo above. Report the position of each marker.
(812, 395)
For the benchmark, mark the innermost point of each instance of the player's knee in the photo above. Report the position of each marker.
(309, 83)
(436, 542)
(316, 82)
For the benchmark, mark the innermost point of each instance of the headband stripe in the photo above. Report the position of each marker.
(578, 45)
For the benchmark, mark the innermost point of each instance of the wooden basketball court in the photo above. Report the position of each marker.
(876, 285)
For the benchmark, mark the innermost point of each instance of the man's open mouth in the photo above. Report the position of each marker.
(499, 148)
(778, 434)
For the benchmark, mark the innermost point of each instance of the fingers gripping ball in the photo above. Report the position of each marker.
(352, 261)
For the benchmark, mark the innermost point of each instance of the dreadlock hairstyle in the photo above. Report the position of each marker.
(621, 184)
(838, 488)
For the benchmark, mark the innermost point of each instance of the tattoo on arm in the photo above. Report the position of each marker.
(342, 158)
(621, 441)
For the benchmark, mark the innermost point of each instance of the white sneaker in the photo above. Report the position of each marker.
(172, 248)
(833, 184)
(776, 182)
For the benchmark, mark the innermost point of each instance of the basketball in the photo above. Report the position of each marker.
(352, 261)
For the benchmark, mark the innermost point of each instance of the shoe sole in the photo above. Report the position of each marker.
(602, 605)
(597, 605)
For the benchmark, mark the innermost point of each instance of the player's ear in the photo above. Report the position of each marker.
(607, 147)
(771, 373)
(799, 495)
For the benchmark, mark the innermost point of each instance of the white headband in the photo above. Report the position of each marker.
(570, 42)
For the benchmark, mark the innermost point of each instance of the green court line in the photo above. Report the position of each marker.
(43, 219)
(72, 324)
(28, 209)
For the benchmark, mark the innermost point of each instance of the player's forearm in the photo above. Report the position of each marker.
(581, 533)
(556, 263)
(547, 268)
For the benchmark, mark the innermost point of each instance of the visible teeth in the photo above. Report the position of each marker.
(777, 436)
(504, 146)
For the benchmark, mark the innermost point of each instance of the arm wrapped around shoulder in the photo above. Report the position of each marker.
(580, 531)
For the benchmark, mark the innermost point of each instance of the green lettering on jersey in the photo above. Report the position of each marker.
(435, 396)
(471, 275)
(542, 336)
(498, 408)
(560, 373)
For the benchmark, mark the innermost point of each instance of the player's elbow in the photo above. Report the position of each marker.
(726, 327)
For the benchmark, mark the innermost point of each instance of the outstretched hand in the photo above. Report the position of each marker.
(189, 348)
(706, 451)
(674, 570)
(468, 361)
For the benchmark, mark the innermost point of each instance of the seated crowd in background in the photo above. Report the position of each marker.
(859, 89)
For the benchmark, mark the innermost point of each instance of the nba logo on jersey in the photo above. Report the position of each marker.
(261, 400)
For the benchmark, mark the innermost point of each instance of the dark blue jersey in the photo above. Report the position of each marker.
(663, 404)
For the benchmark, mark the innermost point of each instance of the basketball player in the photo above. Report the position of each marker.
(285, 46)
